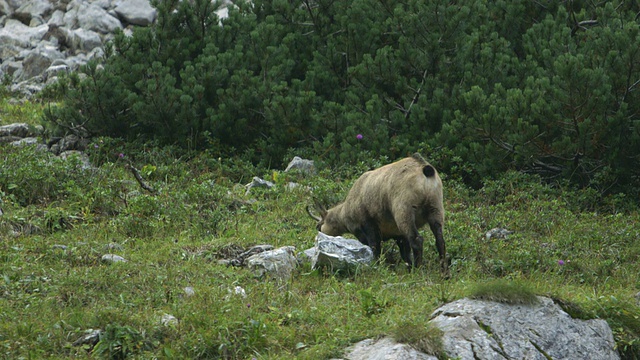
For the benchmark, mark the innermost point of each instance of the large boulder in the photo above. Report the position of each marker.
(486, 330)
(384, 349)
(33, 9)
(15, 33)
(337, 253)
(136, 12)
(88, 16)
(483, 330)
(38, 61)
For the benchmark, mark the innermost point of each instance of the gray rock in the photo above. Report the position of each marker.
(57, 18)
(384, 349)
(69, 142)
(17, 129)
(475, 329)
(497, 233)
(33, 9)
(76, 28)
(84, 40)
(278, 263)
(112, 258)
(17, 34)
(189, 291)
(303, 165)
(136, 12)
(28, 141)
(5, 8)
(82, 157)
(55, 70)
(9, 51)
(90, 337)
(258, 182)
(81, 14)
(38, 60)
(168, 320)
(240, 259)
(338, 253)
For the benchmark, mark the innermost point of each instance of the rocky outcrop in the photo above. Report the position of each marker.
(384, 349)
(476, 329)
(39, 39)
(486, 330)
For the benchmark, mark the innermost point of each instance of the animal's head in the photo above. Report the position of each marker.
(328, 221)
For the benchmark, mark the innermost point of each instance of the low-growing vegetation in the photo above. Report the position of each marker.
(529, 110)
(60, 218)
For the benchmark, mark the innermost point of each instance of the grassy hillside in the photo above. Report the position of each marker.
(59, 219)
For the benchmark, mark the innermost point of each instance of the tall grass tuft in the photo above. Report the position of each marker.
(504, 291)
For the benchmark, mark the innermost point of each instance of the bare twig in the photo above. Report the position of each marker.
(139, 178)
(417, 94)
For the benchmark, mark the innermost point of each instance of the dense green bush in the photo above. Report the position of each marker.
(547, 87)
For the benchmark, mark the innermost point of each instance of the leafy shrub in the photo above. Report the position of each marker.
(119, 342)
(355, 88)
(30, 176)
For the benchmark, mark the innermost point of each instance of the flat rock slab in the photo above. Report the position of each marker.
(384, 349)
(483, 330)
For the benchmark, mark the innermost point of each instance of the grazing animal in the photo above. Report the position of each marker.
(391, 202)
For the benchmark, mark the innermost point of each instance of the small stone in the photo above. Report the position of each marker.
(168, 320)
(498, 233)
(240, 291)
(112, 258)
(91, 337)
(189, 291)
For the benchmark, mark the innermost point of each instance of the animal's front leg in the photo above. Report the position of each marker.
(369, 234)
(405, 250)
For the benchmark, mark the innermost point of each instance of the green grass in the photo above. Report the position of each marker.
(502, 291)
(49, 295)
(28, 112)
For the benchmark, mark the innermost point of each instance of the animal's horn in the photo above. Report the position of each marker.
(315, 217)
(320, 207)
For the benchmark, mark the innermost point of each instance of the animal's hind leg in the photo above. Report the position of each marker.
(436, 229)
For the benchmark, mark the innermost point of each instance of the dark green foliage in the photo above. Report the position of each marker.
(546, 87)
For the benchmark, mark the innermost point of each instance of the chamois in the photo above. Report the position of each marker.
(391, 202)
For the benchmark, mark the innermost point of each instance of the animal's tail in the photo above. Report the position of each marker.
(427, 170)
